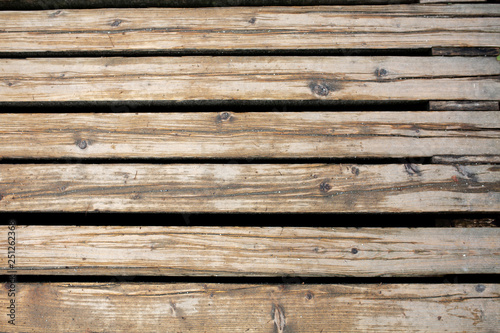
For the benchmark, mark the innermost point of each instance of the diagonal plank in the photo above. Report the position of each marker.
(249, 78)
(249, 188)
(250, 251)
(147, 307)
(250, 135)
(250, 28)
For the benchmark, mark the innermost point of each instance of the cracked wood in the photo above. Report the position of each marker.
(140, 307)
(249, 188)
(250, 28)
(251, 251)
(248, 78)
(250, 134)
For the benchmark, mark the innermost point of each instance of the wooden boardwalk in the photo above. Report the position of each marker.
(384, 112)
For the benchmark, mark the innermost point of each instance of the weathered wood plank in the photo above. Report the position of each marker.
(249, 188)
(120, 307)
(249, 78)
(250, 251)
(465, 51)
(446, 159)
(463, 105)
(249, 134)
(59, 4)
(250, 28)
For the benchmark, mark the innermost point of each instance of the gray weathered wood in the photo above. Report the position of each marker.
(250, 28)
(250, 251)
(249, 134)
(463, 105)
(249, 78)
(249, 188)
(147, 307)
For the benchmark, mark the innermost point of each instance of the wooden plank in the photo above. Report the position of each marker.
(249, 78)
(463, 105)
(250, 28)
(62, 4)
(249, 134)
(446, 159)
(465, 51)
(148, 307)
(250, 251)
(249, 188)
(468, 223)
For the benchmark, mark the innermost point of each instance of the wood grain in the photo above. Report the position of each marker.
(446, 159)
(250, 251)
(250, 28)
(140, 307)
(249, 134)
(249, 188)
(60, 4)
(248, 78)
(463, 105)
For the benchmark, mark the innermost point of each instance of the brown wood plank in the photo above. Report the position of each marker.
(250, 251)
(133, 307)
(249, 134)
(466, 159)
(463, 105)
(249, 78)
(249, 188)
(465, 51)
(59, 4)
(250, 28)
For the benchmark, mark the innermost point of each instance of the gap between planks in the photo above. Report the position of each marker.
(249, 78)
(249, 188)
(253, 251)
(140, 307)
(248, 135)
(250, 28)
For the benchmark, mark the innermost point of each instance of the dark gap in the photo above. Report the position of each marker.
(216, 52)
(271, 160)
(82, 4)
(211, 106)
(284, 280)
(284, 220)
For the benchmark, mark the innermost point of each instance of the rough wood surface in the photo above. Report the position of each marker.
(147, 307)
(465, 51)
(249, 135)
(249, 78)
(466, 159)
(463, 105)
(249, 188)
(250, 251)
(61, 4)
(249, 28)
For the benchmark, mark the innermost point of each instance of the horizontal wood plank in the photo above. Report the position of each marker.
(248, 78)
(463, 105)
(250, 28)
(59, 4)
(249, 134)
(250, 251)
(249, 188)
(133, 307)
(467, 159)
